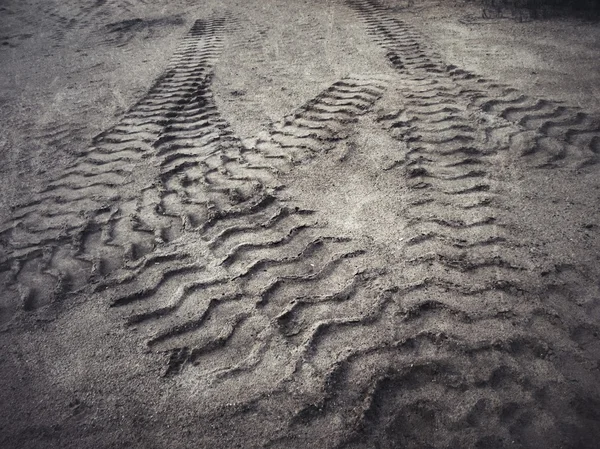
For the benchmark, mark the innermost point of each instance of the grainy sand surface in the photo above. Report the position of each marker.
(297, 224)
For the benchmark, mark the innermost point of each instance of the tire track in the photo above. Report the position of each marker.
(188, 234)
(257, 255)
(466, 346)
(545, 133)
(466, 350)
(88, 219)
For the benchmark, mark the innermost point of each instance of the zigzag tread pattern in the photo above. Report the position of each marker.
(544, 133)
(92, 217)
(465, 350)
(236, 287)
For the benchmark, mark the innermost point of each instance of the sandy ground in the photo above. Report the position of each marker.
(274, 224)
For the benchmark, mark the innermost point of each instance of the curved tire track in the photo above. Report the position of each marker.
(544, 133)
(89, 218)
(467, 350)
(256, 256)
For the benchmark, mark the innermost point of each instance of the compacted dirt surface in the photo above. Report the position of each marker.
(297, 224)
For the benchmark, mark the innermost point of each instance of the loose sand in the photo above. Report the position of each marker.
(332, 224)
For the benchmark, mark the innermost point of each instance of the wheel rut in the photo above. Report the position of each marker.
(197, 244)
(466, 343)
(89, 218)
(545, 133)
(253, 253)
